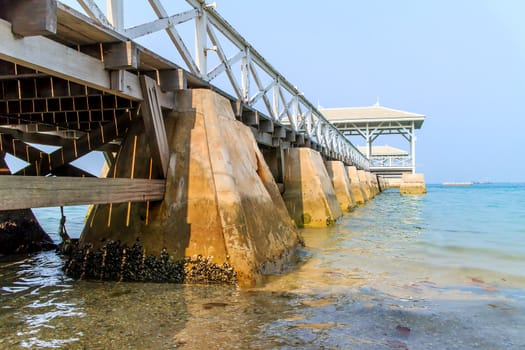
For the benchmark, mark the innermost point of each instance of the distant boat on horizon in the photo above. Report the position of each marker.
(457, 183)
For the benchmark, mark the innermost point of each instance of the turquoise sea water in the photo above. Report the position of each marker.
(441, 271)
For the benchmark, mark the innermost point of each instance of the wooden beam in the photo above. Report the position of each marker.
(50, 57)
(72, 171)
(173, 79)
(121, 55)
(4, 169)
(299, 139)
(19, 149)
(265, 125)
(34, 137)
(290, 136)
(76, 148)
(154, 124)
(262, 138)
(112, 147)
(30, 17)
(237, 108)
(250, 118)
(21, 192)
(279, 132)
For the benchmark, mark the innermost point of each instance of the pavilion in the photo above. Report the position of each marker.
(372, 122)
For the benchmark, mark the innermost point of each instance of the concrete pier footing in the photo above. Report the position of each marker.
(364, 180)
(374, 186)
(356, 185)
(341, 182)
(308, 191)
(412, 184)
(383, 185)
(221, 199)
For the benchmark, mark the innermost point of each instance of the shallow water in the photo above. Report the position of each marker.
(440, 271)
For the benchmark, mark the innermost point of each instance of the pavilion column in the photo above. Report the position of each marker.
(368, 142)
(413, 147)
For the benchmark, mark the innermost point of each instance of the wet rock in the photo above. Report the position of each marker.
(116, 262)
(20, 233)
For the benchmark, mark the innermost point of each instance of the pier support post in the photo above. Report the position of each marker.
(274, 157)
(341, 182)
(413, 184)
(221, 200)
(356, 185)
(374, 186)
(309, 194)
(363, 179)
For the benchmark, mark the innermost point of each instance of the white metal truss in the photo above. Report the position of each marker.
(255, 83)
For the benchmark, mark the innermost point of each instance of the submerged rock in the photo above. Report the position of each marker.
(20, 233)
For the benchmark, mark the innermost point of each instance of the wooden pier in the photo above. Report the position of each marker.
(193, 169)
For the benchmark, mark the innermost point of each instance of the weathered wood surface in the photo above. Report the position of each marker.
(42, 21)
(154, 123)
(53, 58)
(50, 57)
(76, 148)
(20, 192)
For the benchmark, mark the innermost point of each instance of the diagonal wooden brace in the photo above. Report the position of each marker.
(154, 124)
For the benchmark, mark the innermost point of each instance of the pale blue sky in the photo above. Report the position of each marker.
(460, 63)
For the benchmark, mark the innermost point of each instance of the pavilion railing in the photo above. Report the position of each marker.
(390, 162)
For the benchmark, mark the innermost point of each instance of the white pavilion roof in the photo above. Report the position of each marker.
(370, 115)
(384, 151)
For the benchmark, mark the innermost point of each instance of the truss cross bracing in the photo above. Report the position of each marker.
(222, 58)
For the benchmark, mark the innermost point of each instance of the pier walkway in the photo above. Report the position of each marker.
(219, 156)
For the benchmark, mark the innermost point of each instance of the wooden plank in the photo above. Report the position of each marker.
(30, 17)
(154, 124)
(20, 192)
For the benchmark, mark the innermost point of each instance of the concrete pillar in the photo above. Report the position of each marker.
(372, 180)
(413, 184)
(363, 179)
(382, 183)
(341, 182)
(356, 186)
(308, 191)
(275, 159)
(394, 182)
(221, 200)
